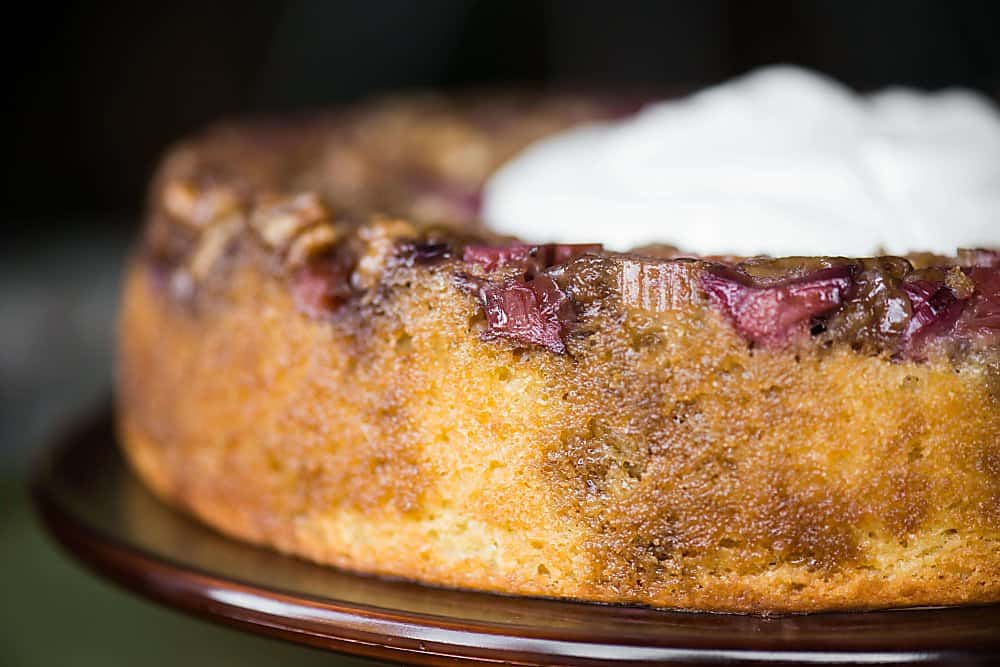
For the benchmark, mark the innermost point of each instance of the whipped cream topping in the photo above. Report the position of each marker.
(779, 162)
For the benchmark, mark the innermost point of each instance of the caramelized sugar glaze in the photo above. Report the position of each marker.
(323, 352)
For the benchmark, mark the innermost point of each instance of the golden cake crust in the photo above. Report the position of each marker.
(648, 455)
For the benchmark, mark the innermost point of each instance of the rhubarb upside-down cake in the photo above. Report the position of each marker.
(322, 350)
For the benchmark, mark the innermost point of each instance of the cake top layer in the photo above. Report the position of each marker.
(340, 205)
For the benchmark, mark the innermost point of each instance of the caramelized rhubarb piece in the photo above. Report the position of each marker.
(529, 308)
(770, 316)
(533, 312)
(935, 309)
(982, 317)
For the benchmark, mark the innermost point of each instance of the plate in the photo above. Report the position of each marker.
(100, 512)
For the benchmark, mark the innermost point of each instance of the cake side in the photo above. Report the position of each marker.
(660, 460)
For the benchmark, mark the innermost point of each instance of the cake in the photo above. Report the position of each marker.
(323, 351)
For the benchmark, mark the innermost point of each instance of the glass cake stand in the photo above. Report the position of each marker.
(100, 512)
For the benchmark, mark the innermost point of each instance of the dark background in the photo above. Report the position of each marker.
(95, 91)
(98, 89)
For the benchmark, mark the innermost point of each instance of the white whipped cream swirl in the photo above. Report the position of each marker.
(780, 162)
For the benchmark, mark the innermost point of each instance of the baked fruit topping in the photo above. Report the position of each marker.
(769, 315)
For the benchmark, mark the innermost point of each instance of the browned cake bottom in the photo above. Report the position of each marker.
(663, 462)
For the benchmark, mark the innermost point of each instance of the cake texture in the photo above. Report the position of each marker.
(322, 351)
